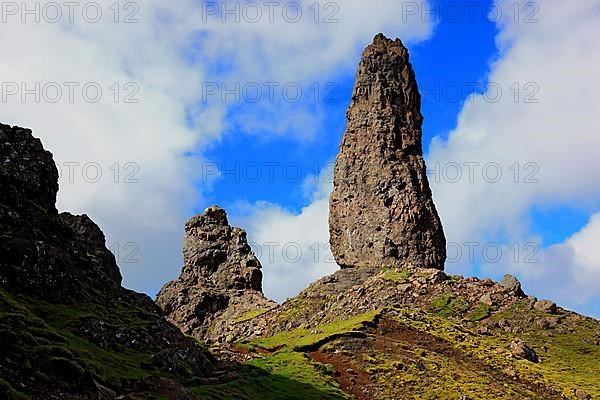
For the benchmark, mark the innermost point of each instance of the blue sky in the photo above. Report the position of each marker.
(464, 60)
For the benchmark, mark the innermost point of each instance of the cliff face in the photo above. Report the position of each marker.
(221, 280)
(381, 209)
(67, 327)
(43, 253)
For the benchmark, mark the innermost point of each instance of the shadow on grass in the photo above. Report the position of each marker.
(257, 383)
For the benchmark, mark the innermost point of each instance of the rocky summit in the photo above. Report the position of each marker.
(221, 280)
(381, 209)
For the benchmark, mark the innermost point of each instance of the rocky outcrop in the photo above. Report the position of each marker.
(28, 177)
(57, 281)
(354, 291)
(512, 285)
(42, 253)
(221, 280)
(381, 209)
(91, 236)
(520, 349)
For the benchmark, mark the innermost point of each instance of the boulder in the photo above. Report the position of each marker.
(545, 306)
(511, 285)
(519, 349)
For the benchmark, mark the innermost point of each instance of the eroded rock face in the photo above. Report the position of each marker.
(43, 253)
(512, 285)
(219, 253)
(28, 176)
(61, 260)
(91, 236)
(220, 282)
(381, 209)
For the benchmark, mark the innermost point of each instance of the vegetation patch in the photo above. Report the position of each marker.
(43, 340)
(303, 337)
(250, 315)
(283, 375)
(396, 275)
(449, 305)
(8, 392)
(482, 312)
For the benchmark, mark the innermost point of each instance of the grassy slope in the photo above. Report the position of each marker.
(570, 357)
(283, 375)
(287, 373)
(38, 340)
(463, 362)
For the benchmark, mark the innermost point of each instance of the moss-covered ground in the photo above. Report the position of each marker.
(422, 354)
(425, 355)
(282, 375)
(41, 341)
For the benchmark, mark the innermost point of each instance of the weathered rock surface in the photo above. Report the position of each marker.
(521, 350)
(511, 285)
(381, 209)
(545, 306)
(582, 394)
(53, 263)
(42, 253)
(353, 291)
(220, 282)
(28, 177)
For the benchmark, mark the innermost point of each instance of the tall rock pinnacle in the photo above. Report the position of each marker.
(381, 209)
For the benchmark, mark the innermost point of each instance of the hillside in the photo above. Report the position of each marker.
(68, 329)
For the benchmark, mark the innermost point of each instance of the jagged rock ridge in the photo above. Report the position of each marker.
(221, 279)
(60, 285)
(43, 253)
(381, 209)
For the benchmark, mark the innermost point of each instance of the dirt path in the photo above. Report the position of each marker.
(398, 341)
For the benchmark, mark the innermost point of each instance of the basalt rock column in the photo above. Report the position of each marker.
(381, 209)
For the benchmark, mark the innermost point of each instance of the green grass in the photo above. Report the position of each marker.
(250, 315)
(38, 336)
(9, 393)
(570, 359)
(287, 373)
(283, 375)
(305, 337)
(396, 275)
(450, 305)
(482, 312)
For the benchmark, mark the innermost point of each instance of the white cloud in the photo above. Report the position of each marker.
(285, 51)
(152, 134)
(567, 273)
(558, 134)
(276, 53)
(157, 54)
(293, 247)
